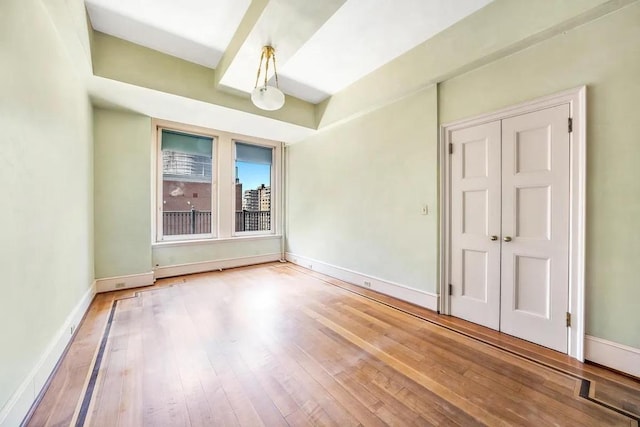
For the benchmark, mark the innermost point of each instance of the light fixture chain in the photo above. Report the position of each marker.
(275, 71)
(266, 66)
(260, 68)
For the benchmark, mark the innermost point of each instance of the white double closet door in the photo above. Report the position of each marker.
(510, 225)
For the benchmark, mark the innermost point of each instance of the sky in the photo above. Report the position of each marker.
(252, 175)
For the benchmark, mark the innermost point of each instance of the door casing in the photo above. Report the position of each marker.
(576, 98)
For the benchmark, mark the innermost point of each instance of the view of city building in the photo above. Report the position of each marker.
(253, 187)
(186, 193)
(258, 199)
(265, 198)
(187, 175)
(255, 213)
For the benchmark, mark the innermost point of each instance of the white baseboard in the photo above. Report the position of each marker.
(405, 293)
(20, 402)
(201, 267)
(608, 353)
(124, 282)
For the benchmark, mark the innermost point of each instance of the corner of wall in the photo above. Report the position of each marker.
(414, 296)
(35, 383)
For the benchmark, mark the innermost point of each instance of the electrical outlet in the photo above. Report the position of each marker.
(367, 284)
(119, 285)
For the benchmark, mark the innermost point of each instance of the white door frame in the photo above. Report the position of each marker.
(576, 98)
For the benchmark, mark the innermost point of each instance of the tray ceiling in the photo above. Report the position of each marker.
(322, 47)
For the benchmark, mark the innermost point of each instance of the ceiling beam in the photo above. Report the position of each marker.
(117, 59)
(284, 24)
(247, 24)
(112, 94)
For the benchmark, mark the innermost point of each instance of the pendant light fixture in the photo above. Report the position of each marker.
(267, 97)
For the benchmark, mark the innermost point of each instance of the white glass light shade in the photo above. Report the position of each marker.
(267, 98)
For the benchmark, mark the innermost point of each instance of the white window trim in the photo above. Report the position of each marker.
(275, 173)
(197, 242)
(223, 195)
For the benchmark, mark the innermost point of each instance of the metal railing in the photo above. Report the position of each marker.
(199, 222)
(186, 222)
(253, 220)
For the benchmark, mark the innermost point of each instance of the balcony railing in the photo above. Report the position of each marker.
(253, 221)
(186, 222)
(199, 222)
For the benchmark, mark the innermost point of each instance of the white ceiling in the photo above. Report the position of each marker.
(195, 30)
(321, 46)
(366, 34)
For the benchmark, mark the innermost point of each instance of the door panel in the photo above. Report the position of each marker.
(474, 275)
(532, 285)
(535, 202)
(535, 213)
(475, 208)
(474, 220)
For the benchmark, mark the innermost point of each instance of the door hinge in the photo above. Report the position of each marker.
(450, 289)
(450, 148)
(570, 124)
(568, 319)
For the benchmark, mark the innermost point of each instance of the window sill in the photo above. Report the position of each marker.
(173, 243)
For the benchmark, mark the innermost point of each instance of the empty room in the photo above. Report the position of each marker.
(337, 212)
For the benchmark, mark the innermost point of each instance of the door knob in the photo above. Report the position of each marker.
(507, 239)
(494, 238)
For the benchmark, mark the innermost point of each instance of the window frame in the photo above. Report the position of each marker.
(222, 195)
(272, 215)
(159, 236)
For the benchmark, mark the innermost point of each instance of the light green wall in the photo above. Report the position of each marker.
(123, 153)
(347, 205)
(46, 248)
(355, 193)
(604, 55)
(122, 186)
(225, 249)
(71, 22)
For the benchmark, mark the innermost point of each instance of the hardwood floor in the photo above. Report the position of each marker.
(280, 345)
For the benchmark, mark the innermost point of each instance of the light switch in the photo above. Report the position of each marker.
(425, 210)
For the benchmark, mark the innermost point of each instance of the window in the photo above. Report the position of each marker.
(186, 188)
(253, 188)
(213, 185)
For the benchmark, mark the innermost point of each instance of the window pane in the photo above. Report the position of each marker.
(185, 143)
(253, 187)
(253, 154)
(186, 183)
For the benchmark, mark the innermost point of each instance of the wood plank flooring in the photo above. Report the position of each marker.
(278, 345)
